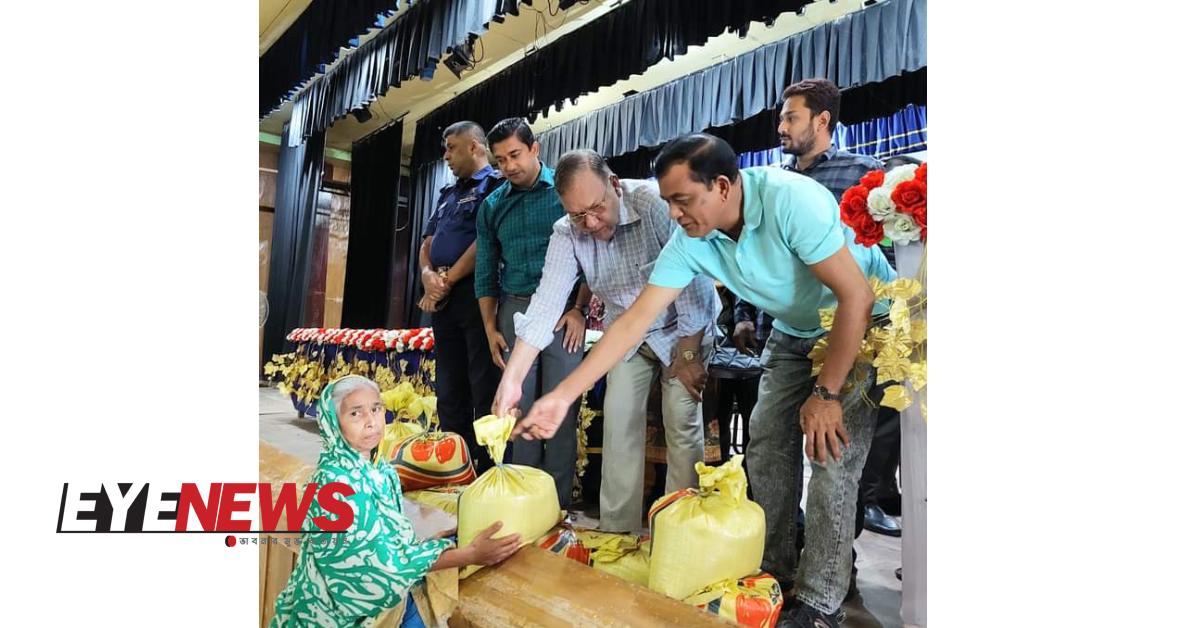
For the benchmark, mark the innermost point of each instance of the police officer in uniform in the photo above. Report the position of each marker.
(466, 378)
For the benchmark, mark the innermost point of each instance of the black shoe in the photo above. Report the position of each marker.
(898, 574)
(876, 521)
(805, 616)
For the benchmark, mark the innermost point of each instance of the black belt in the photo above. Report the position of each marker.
(521, 297)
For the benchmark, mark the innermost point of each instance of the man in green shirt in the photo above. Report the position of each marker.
(513, 229)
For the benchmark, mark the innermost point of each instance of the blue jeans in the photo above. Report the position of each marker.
(412, 619)
(774, 458)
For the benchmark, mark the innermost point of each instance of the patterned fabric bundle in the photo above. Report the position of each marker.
(432, 459)
(754, 602)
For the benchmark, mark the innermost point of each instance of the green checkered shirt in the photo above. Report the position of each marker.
(513, 228)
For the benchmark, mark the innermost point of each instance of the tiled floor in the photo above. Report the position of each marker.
(878, 556)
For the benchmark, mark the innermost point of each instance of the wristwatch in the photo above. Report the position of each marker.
(821, 392)
(689, 355)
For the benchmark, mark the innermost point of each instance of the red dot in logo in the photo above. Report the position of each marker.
(230, 541)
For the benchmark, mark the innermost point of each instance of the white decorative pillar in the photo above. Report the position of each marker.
(913, 479)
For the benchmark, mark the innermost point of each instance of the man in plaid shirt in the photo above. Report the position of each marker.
(612, 234)
(512, 230)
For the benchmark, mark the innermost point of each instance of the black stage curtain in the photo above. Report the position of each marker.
(401, 51)
(613, 47)
(296, 190)
(759, 132)
(314, 39)
(374, 194)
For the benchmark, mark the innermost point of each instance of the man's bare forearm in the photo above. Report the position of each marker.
(487, 310)
(424, 254)
(849, 327)
(583, 297)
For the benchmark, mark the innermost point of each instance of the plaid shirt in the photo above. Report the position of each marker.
(617, 271)
(512, 229)
(837, 170)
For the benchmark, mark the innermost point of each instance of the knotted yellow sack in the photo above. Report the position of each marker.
(754, 601)
(626, 556)
(523, 498)
(701, 537)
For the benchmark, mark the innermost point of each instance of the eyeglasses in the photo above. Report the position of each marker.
(596, 211)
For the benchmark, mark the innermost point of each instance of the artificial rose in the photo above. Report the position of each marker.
(867, 231)
(854, 204)
(899, 175)
(908, 195)
(872, 179)
(918, 214)
(920, 173)
(902, 229)
(879, 203)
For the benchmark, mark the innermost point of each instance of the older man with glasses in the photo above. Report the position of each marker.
(612, 234)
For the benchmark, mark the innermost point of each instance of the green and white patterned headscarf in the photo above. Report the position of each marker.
(378, 558)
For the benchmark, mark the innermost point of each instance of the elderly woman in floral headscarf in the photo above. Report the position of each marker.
(349, 578)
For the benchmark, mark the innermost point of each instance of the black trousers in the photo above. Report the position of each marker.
(879, 473)
(745, 392)
(466, 378)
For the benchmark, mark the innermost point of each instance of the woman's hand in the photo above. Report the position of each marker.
(488, 551)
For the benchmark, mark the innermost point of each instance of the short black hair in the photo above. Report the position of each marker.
(509, 127)
(819, 95)
(707, 157)
(471, 129)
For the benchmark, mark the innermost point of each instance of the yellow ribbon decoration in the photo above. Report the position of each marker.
(881, 290)
(817, 355)
(917, 374)
(899, 314)
(866, 352)
(892, 370)
(896, 396)
(918, 330)
(827, 315)
(905, 289)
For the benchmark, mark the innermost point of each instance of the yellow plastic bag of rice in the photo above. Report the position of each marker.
(701, 537)
(626, 556)
(523, 498)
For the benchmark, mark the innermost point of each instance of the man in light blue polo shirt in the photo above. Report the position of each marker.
(776, 240)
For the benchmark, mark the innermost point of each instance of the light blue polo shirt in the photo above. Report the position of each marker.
(791, 222)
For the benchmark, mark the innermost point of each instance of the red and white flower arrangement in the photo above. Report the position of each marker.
(890, 205)
(368, 339)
